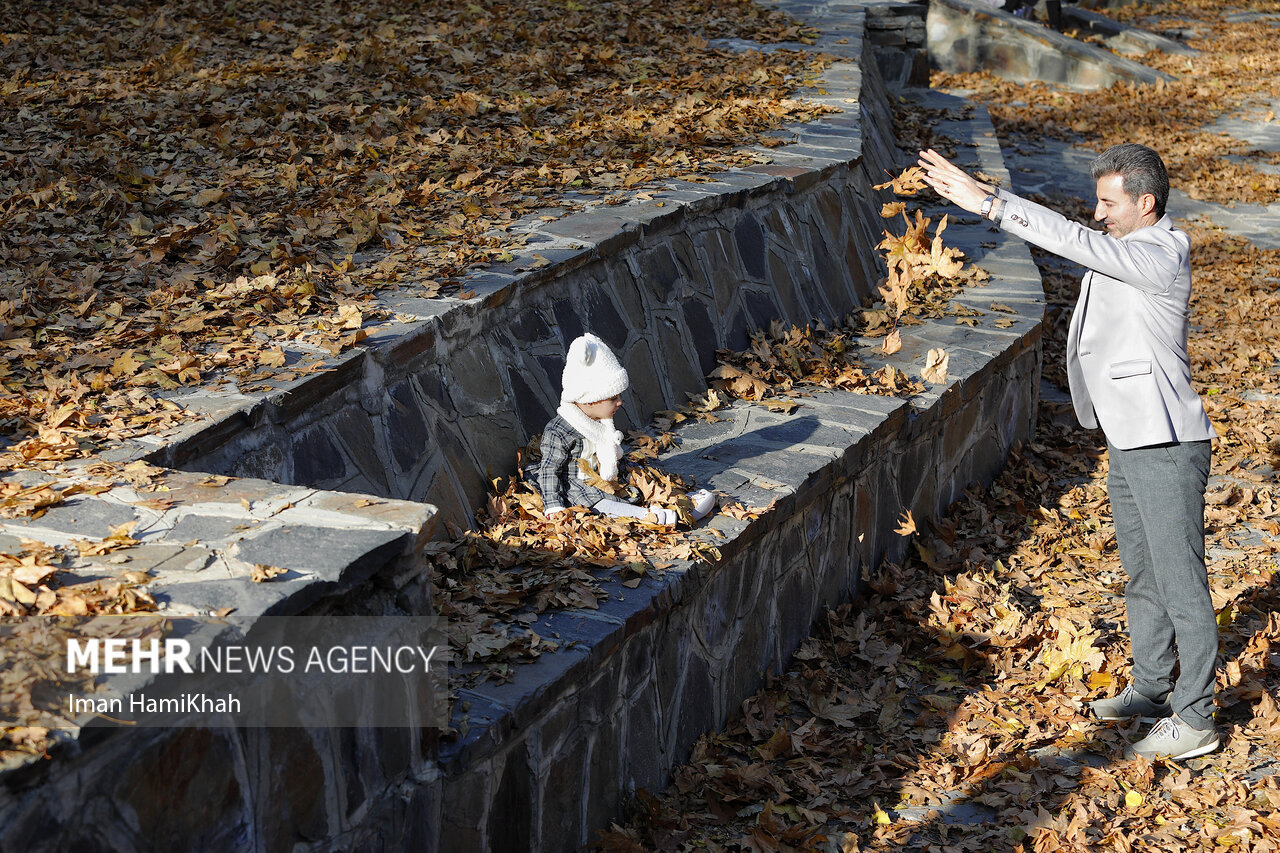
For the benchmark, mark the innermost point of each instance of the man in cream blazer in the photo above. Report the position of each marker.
(1130, 374)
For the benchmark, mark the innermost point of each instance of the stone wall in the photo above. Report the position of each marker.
(647, 678)
(896, 31)
(220, 788)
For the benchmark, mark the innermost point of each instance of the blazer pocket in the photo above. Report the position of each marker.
(1137, 367)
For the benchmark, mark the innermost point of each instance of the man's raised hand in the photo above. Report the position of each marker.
(953, 183)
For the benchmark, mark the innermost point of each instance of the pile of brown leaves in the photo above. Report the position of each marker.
(190, 187)
(959, 677)
(1236, 302)
(50, 594)
(28, 586)
(784, 360)
(493, 582)
(41, 607)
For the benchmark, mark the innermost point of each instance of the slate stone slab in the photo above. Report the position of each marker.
(211, 529)
(606, 231)
(535, 685)
(325, 551)
(598, 633)
(84, 518)
(247, 600)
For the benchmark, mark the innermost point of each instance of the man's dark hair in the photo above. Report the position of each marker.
(1141, 171)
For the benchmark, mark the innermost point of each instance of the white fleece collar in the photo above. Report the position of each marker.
(601, 439)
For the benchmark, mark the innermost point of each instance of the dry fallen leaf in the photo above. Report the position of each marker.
(906, 524)
(935, 366)
(784, 406)
(262, 572)
(909, 182)
(892, 209)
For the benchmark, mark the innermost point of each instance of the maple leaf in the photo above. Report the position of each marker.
(784, 406)
(895, 291)
(262, 572)
(140, 473)
(909, 182)
(592, 478)
(204, 198)
(943, 260)
(125, 365)
(892, 209)
(1072, 651)
(349, 316)
(738, 383)
(906, 524)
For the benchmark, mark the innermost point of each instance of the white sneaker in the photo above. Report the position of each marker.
(703, 502)
(1173, 739)
(664, 516)
(1129, 704)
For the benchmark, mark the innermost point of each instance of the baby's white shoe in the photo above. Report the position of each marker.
(666, 517)
(703, 502)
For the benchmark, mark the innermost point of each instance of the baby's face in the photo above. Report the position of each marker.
(601, 409)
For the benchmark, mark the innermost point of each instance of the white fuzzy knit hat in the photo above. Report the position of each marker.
(591, 372)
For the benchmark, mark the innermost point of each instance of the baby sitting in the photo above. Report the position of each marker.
(591, 388)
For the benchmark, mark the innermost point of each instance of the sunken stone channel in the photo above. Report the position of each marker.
(433, 406)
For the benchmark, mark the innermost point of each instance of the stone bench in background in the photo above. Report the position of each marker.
(971, 35)
(1122, 38)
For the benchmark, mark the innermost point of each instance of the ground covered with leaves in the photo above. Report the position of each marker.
(193, 187)
(1236, 72)
(190, 187)
(941, 712)
(961, 673)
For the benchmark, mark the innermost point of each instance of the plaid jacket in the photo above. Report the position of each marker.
(562, 446)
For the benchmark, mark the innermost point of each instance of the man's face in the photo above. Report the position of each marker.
(1121, 214)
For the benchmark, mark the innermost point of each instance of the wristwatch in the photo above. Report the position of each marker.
(986, 206)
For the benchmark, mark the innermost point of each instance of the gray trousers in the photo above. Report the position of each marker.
(1157, 500)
